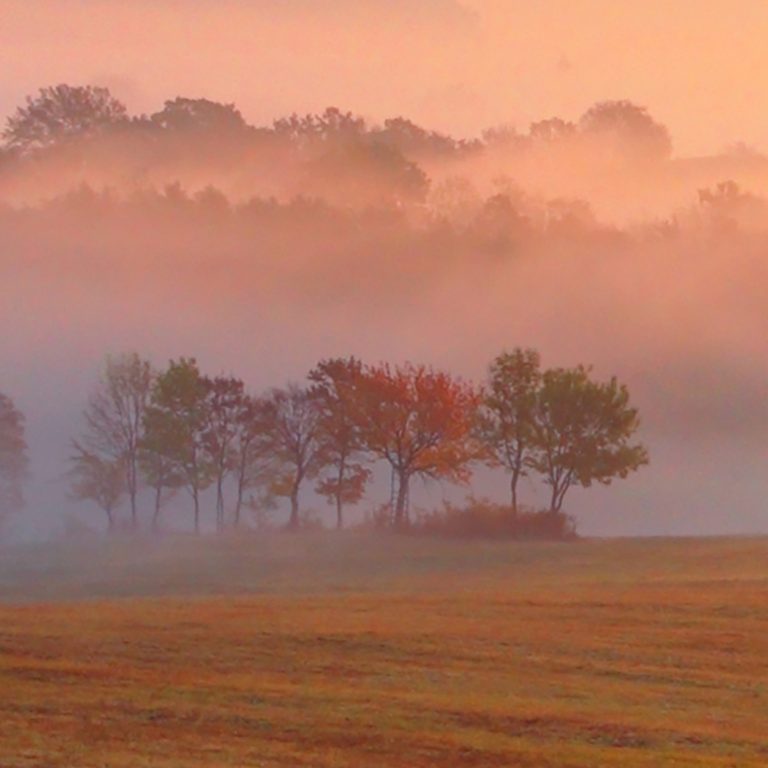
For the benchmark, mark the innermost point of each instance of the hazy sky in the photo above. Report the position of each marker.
(699, 65)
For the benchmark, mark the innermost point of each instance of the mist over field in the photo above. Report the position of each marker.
(501, 209)
(383, 383)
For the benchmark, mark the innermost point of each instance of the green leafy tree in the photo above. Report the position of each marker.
(14, 461)
(507, 415)
(161, 474)
(175, 425)
(584, 432)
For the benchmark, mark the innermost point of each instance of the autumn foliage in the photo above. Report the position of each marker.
(197, 432)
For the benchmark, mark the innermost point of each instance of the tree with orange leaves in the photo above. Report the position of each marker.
(420, 422)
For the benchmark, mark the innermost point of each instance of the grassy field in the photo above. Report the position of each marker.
(351, 651)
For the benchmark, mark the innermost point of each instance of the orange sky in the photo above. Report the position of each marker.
(700, 65)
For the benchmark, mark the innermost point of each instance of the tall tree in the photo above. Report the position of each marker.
(161, 474)
(199, 116)
(114, 419)
(626, 128)
(225, 403)
(293, 443)
(583, 432)
(13, 457)
(61, 112)
(334, 384)
(252, 449)
(175, 425)
(420, 422)
(98, 479)
(506, 417)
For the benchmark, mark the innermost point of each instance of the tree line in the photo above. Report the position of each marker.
(84, 133)
(180, 429)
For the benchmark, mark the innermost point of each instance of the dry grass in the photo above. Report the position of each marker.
(351, 652)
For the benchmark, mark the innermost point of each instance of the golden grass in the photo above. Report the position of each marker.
(396, 653)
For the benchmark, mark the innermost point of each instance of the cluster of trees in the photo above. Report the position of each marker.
(88, 134)
(61, 113)
(204, 154)
(179, 428)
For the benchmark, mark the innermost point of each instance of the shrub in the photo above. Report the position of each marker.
(482, 518)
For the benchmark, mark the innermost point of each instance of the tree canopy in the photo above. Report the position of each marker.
(62, 112)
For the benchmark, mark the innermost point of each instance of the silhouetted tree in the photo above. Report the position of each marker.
(199, 116)
(552, 129)
(628, 127)
(61, 112)
(413, 140)
(332, 126)
(114, 419)
(252, 449)
(293, 419)
(13, 457)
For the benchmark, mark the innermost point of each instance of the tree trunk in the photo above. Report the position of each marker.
(196, 499)
(293, 522)
(156, 512)
(132, 492)
(220, 503)
(513, 492)
(238, 503)
(401, 508)
(339, 502)
(554, 505)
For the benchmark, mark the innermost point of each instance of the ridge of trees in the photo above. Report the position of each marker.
(63, 112)
(335, 154)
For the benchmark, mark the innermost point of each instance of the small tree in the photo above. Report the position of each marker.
(175, 424)
(293, 419)
(506, 417)
(583, 432)
(13, 457)
(114, 419)
(420, 422)
(94, 478)
(61, 112)
(334, 384)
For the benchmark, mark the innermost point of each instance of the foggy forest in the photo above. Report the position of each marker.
(261, 249)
